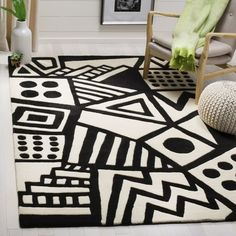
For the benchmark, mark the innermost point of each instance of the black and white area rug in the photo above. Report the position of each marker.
(96, 145)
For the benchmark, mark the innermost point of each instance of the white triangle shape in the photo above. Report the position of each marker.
(156, 115)
(197, 126)
(83, 101)
(136, 107)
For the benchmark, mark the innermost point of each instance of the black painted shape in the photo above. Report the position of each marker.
(233, 157)
(50, 84)
(52, 94)
(28, 84)
(29, 94)
(39, 118)
(211, 173)
(229, 185)
(179, 145)
(225, 165)
(23, 70)
(20, 110)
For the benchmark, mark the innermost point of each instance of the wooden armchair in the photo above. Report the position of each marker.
(218, 49)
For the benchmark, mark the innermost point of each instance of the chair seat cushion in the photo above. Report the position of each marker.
(216, 48)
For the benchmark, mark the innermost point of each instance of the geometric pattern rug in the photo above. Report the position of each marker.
(96, 145)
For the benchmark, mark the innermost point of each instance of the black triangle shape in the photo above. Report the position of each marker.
(23, 70)
(145, 112)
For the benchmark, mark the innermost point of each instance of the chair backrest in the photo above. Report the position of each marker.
(227, 24)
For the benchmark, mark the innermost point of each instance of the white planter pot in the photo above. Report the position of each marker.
(21, 41)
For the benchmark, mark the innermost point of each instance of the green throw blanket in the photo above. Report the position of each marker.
(198, 18)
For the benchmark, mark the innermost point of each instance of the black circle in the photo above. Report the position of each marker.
(225, 165)
(52, 156)
(170, 80)
(166, 72)
(156, 72)
(54, 144)
(38, 149)
(165, 85)
(37, 156)
(229, 185)
(150, 76)
(179, 145)
(52, 94)
(54, 149)
(152, 80)
(53, 138)
(38, 143)
(173, 85)
(177, 76)
(29, 94)
(24, 155)
(211, 173)
(23, 148)
(37, 137)
(22, 143)
(50, 84)
(180, 80)
(21, 137)
(191, 85)
(161, 80)
(156, 85)
(189, 80)
(182, 85)
(233, 157)
(28, 84)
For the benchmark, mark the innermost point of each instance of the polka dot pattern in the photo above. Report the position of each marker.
(169, 79)
(35, 147)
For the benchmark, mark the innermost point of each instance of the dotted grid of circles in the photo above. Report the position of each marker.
(169, 79)
(33, 147)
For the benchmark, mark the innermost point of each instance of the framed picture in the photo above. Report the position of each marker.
(125, 11)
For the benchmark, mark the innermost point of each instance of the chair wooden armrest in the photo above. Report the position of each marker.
(201, 75)
(209, 36)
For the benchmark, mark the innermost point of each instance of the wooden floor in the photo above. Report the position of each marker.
(8, 199)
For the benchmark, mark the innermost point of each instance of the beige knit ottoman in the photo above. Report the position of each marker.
(217, 106)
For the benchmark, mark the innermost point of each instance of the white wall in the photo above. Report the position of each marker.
(68, 21)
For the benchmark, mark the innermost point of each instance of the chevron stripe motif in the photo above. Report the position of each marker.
(96, 145)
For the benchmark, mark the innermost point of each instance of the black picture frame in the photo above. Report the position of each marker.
(125, 12)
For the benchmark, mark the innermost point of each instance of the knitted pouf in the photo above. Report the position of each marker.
(217, 106)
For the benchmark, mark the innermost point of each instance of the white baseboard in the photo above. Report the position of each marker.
(127, 41)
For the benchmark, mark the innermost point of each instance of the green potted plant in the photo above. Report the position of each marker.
(16, 59)
(19, 9)
(21, 37)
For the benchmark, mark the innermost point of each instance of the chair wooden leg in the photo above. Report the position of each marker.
(147, 61)
(199, 83)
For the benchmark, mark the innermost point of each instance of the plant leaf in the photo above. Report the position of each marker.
(8, 10)
(20, 9)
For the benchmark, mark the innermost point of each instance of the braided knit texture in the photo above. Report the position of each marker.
(217, 106)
